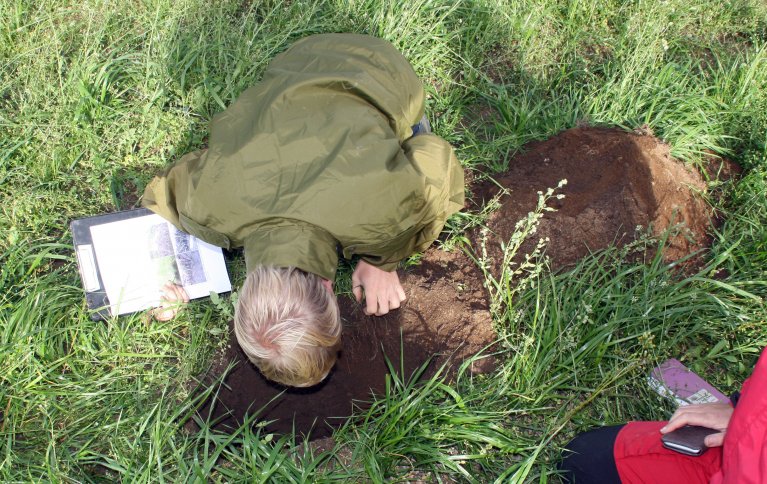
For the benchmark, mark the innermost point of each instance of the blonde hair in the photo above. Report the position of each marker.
(288, 324)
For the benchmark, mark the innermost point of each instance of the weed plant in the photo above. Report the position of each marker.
(96, 97)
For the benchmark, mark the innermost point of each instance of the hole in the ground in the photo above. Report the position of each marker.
(445, 316)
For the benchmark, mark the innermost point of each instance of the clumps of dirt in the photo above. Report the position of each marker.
(619, 185)
(445, 319)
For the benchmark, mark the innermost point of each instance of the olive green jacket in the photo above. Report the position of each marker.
(315, 157)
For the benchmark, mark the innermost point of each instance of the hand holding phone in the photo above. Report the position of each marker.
(688, 440)
(714, 416)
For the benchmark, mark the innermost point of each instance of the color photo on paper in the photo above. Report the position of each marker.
(175, 256)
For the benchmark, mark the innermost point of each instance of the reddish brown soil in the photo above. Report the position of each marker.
(444, 318)
(616, 181)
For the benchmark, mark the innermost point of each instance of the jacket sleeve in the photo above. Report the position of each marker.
(744, 456)
(166, 194)
(443, 192)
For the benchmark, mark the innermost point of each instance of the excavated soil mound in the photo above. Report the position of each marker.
(445, 318)
(616, 182)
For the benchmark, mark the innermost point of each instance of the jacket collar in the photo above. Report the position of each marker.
(293, 243)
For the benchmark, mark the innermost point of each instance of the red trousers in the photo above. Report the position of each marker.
(641, 458)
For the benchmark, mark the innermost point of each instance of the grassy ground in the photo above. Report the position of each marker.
(96, 96)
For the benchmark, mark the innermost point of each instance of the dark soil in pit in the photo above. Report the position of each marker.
(616, 181)
(444, 318)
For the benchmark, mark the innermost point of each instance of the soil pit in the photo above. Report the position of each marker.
(616, 181)
(619, 185)
(444, 318)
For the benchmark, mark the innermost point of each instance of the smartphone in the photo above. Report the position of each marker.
(687, 440)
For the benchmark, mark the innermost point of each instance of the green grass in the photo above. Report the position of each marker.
(95, 97)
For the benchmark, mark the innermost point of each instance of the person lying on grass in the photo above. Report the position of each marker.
(330, 153)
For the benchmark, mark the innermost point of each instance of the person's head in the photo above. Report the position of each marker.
(288, 324)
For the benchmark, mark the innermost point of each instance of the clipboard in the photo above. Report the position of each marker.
(124, 257)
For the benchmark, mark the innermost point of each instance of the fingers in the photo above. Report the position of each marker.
(680, 418)
(674, 423)
(374, 303)
(371, 304)
(394, 301)
(380, 289)
(711, 415)
(714, 440)
(401, 293)
(397, 296)
(173, 292)
(164, 314)
(356, 286)
(166, 311)
(380, 303)
(171, 302)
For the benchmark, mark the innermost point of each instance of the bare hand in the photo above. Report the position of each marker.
(712, 415)
(383, 291)
(172, 301)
